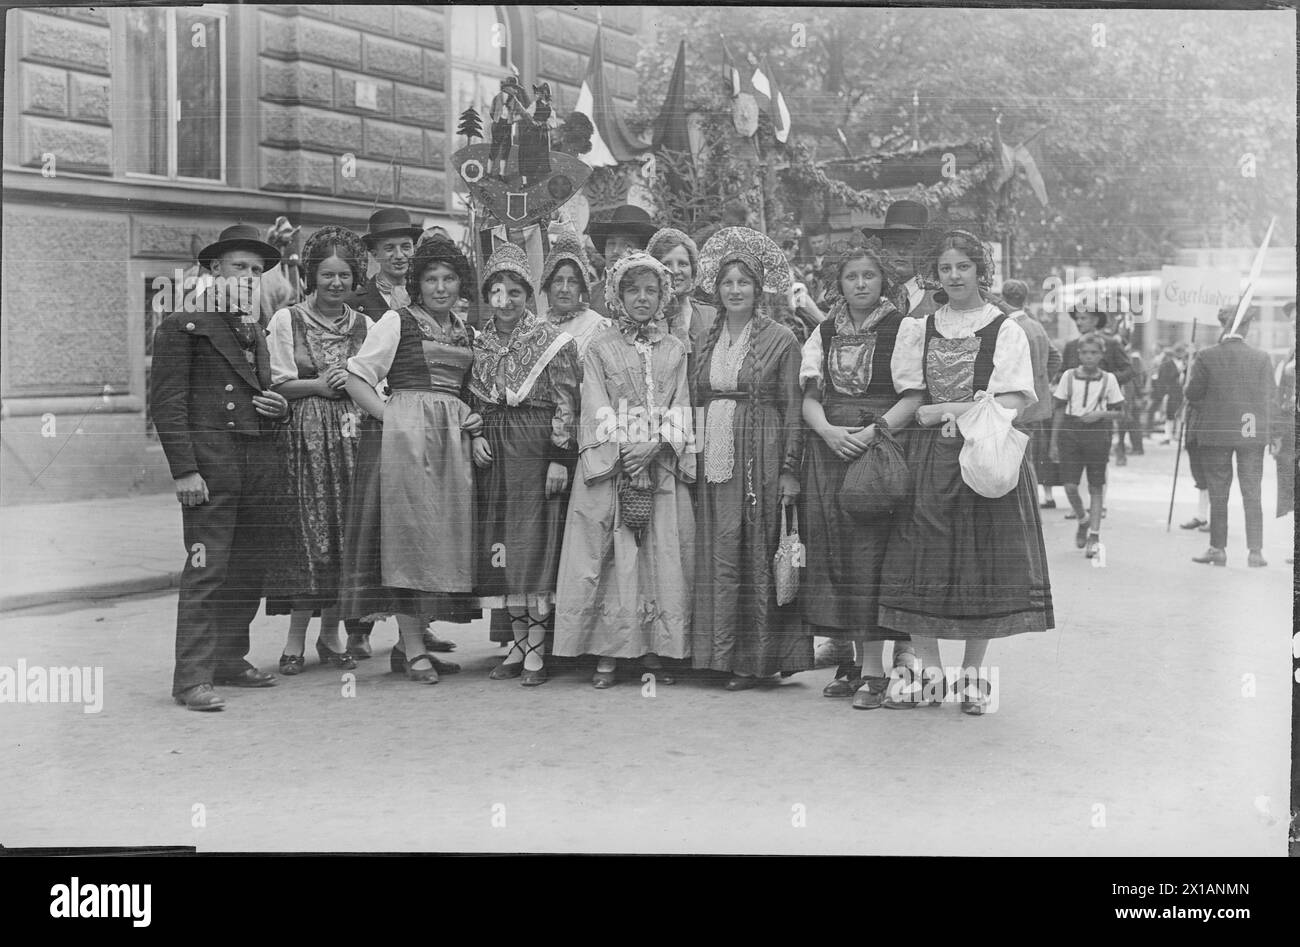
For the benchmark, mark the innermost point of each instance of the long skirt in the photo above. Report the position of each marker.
(738, 626)
(517, 545)
(960, 565)
(839, 594)
(409, 548)
(320, 461)
(618, 598)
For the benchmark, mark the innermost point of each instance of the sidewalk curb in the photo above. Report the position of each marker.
(90, 591)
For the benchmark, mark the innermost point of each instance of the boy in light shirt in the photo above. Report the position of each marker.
(1087, 398)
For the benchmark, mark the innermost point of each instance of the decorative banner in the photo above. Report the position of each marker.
(1192, 294)
(509, 200)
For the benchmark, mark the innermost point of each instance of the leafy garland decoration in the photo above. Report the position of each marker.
(805, 175)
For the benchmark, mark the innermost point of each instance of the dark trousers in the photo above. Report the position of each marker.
(1129, 425)
(1250, 471)
(227, 551)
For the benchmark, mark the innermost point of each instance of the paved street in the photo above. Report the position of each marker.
(1133, 728)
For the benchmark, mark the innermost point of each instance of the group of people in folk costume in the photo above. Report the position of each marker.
(611, 480)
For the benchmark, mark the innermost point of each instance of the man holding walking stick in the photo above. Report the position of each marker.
(1231, 391)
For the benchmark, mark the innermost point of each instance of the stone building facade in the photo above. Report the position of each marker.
(132, 135)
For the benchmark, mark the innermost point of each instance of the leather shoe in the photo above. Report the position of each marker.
(200, 697)
(534, 678)
(249, 677)
(1256, 559)
(1194, 523)
(847, 680)
(740, 683)
(1218, 557)
(871, 694)
(433, 643)
(397, 663)
(359, 647)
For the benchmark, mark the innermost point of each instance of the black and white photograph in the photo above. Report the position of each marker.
(692, 429)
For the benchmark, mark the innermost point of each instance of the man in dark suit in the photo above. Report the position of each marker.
(210, 398)
(629, 228)
(390, 238)
(905, 223)
(1231, 390)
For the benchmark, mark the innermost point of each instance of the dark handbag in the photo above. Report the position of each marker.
(878, 483)
(635, 502)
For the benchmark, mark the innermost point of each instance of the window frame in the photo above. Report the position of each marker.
(222, 14)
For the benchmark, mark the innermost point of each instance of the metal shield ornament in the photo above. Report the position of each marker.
(744, 113)
(510, 201)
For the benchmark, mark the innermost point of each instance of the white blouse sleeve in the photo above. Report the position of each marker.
(909, 353)
(279, 344)
(1114, 393)
(1013, 370)
(810, 368)
(375, 357)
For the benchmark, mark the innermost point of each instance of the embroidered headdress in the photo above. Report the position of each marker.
(508, 258)
(757, 251)
(567, 248)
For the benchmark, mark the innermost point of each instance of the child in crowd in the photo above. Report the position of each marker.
(1085, 397)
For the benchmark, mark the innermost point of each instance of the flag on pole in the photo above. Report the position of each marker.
(1004, 167)
(762, 88)
(1027, 160)
(780, 113)
(1249, 292)
(671, 130)
(730, 74)
(611, 142)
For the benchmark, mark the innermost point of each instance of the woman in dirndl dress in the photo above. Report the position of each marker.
(309, 345)
(960, 565)
(525, 385)
(625, 586)
(747, 385)
(849, 396)
(410, 549)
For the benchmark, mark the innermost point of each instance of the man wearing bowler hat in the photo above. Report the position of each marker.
(210, 397)
(628, 228)
(905, 222)
(390, 238)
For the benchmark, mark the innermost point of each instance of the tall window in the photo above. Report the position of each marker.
(479, 48)
(176, 92)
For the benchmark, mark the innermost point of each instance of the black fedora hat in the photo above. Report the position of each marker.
(904, 215)
(391, 222)
(240, 237)
(627, 218)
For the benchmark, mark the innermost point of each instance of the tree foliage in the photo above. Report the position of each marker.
(1161, 128)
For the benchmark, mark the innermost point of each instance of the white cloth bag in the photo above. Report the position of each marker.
(990, 458)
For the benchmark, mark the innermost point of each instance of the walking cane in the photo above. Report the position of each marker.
(1182, 433)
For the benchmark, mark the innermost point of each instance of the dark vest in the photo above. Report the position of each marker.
(882, 376)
